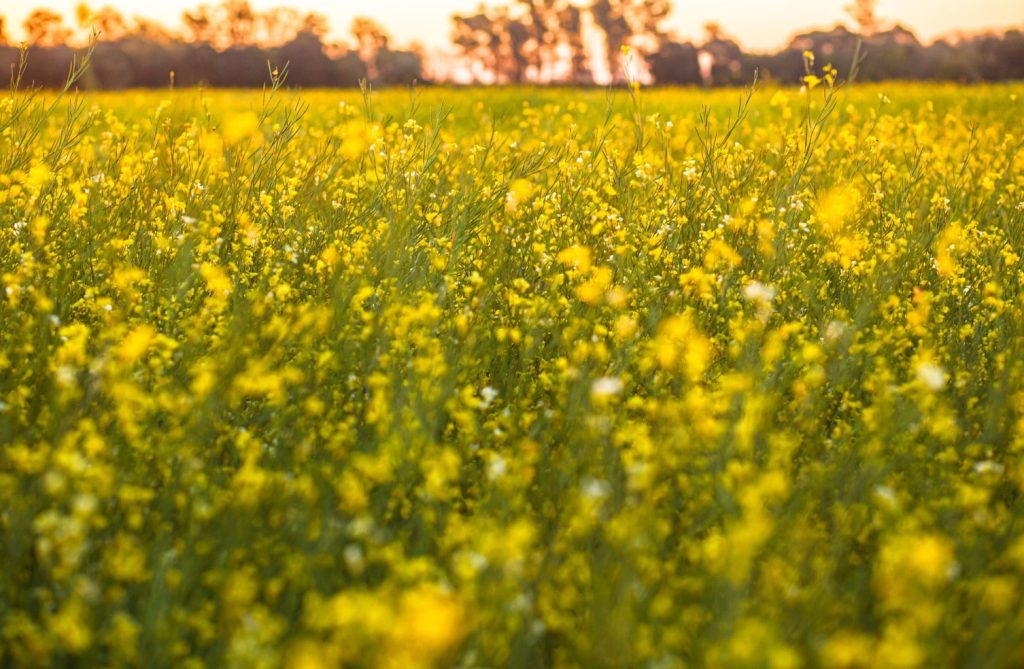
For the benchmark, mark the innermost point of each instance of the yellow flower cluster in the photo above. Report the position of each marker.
(513, 378)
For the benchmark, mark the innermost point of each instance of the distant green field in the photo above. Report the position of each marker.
(513, 378)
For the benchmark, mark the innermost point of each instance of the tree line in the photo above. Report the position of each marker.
(230, 44)
(525, 41)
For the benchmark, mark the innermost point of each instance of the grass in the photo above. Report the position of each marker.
(512, 377)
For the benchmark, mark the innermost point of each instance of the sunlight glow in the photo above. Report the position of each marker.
(757, 25)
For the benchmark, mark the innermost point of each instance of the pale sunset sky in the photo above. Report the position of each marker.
(756, 24)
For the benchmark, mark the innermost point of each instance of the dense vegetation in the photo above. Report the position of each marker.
(526, 378)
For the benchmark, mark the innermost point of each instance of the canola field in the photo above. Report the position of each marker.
(513, 378)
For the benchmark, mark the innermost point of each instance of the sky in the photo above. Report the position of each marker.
(758, 25)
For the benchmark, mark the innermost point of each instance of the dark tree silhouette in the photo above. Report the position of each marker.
(371, 39)
(645, 18)
(284, 24)
(495, 45)
(634, 23)
(231, 24)
(349, 70)
(535, 41)
(111, 67)
(144, 29)
(610, 19)
(472, 35)
(234, 23)
(312, 67)
(863, 12)
(384, 65)
(45, 28)
(199, 25)
(538, 33)
(571, 21)
(240, 22)
(398, 67)
(726, 57)
(106, 21)
(675, 63)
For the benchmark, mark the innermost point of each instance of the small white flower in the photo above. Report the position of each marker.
(595, 489)
(84, 504)
(353, 555)
(755, 291)
(885, 493)
(65, 375)
(834, 330)
(931, 375)
(487, 396)
(497, 468)
(986, 466)
(606, 387)
(477, 561)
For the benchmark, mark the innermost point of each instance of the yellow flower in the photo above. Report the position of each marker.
(719, 253)
(136, 343)
(848, 650)
(308, 655)
(39, 176)
(212, 147)
(70, 626)
(241, 127)
(217, 280)
(830, 73)
(356, 137)
(519, 191)
(950, 246)
(430, 624)
(592, 291)
(915, 560)
(680, 346)
(930, 557)
(836, 207)
(125, 560)
(811, 81)
(577, 257)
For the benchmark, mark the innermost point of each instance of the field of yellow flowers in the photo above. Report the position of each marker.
(512, 378)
